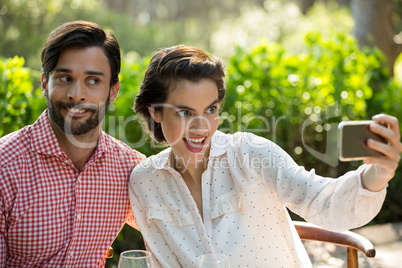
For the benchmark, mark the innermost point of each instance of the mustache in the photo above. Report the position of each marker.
(81, 106)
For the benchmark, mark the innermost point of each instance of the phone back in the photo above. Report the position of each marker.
(352, 138)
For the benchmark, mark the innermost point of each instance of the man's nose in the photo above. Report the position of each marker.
(76, 92)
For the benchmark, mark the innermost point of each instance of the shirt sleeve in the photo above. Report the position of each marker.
(3, 249)
(131, 220)
(337, 204)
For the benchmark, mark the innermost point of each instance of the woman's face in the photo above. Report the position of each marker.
(189, 119)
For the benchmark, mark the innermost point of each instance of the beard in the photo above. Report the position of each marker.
(71, 125)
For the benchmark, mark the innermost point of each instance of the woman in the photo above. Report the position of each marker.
(215, 192)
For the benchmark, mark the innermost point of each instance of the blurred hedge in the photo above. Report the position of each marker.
(298, 100)
(294, 100)
(20, 103)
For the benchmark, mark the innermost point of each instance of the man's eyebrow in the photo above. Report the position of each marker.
(65, 70)
(98, 73)
(62, 70)
(184, 107)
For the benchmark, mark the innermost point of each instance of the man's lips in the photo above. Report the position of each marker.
(195, 144)
(78, 111)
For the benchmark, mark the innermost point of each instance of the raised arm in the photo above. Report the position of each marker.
(382, 169)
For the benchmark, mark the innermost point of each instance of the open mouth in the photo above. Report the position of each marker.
(76, 112)
(195, 145)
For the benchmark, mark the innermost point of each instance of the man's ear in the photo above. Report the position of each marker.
(156, 115)
(114, 91)
(44, 86)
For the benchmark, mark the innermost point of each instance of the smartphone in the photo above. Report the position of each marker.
(352, 139)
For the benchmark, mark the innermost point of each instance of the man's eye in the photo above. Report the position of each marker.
(183, 113)
(64, 79)
(211, 110)
(93, 81)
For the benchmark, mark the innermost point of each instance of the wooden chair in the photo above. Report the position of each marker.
(109, 253)
(352, 241)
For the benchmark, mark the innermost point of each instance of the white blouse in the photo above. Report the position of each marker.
(245, 188)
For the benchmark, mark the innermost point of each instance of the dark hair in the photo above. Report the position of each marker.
(167, 68)
(80, 34)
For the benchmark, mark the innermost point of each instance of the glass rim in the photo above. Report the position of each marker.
(145, 254)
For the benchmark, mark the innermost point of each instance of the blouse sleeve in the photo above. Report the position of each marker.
(337, 204)
(150, 232)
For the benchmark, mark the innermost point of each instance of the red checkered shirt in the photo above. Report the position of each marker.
(51, 214)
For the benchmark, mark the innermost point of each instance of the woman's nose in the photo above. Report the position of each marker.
(200, 124)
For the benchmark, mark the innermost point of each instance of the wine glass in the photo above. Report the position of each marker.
(135, 259)
(212, 261)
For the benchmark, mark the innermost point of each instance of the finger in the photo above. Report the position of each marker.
(387, 150)
(387, 134)
(383, 131)
(391, 121)
(393, 135)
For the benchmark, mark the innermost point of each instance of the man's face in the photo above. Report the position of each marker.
(78, 90)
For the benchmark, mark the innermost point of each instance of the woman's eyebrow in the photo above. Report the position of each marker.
(184, 107)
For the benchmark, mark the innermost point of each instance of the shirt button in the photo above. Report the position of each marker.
(79, 216)
(71, 254)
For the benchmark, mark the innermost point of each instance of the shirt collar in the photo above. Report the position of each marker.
(44, 141)
(219, 144)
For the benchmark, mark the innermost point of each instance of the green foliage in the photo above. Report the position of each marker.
(16, 95)
(120, 121)
(297, 100)
(271, 91)
(26, 24)
(128, 238)
(278, 22)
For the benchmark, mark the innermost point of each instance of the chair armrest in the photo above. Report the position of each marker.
(109, 253)
(308, 231)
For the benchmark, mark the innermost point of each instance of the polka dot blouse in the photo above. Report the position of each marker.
(246, 187)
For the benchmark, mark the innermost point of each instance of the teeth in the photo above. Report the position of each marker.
(195, 140)
(76, 111)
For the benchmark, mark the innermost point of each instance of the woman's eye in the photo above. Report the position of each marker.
(93, 81)
(183, 113)
(211, 110)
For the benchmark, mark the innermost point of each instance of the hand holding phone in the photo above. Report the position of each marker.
(353, 145)
(352, 139)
